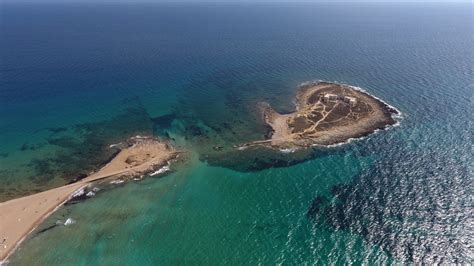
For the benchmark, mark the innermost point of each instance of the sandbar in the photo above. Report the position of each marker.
(18, 217)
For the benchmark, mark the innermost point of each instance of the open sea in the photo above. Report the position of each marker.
(78, 77)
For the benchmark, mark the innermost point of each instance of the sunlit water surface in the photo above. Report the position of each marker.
(78, 77)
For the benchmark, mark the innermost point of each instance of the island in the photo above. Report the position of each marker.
(327, 113)
(136, 157)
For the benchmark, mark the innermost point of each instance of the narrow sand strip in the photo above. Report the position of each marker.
(19, 217)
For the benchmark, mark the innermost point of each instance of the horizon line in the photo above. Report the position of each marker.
(236, 1)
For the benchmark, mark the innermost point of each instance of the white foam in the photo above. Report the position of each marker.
(69, 221)
(118, 181)
(139, 137)
(349, 140)
(78, 193)
(288, 150)
(162, 170)
(90, 194)
(398, 113)
(114, 145)
(310, 83)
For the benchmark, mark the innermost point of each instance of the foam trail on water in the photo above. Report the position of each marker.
(162, 170)
(69, 221)
(288, 150)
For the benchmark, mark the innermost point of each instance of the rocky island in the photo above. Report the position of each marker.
(326, 113)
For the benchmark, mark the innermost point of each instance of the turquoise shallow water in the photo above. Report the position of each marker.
(200, 203)
(193, 73)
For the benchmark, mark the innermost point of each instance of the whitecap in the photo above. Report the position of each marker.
(78, 193)
(114, 145)
(288, 150)
(162, 170)
(69, 221)
(397, 115)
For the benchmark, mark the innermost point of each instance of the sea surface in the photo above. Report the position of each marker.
(78, 77)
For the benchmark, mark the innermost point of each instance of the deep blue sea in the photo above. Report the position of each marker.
(77, 77)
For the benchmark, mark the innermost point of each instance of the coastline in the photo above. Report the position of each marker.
(30, 221)
(19, 217)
